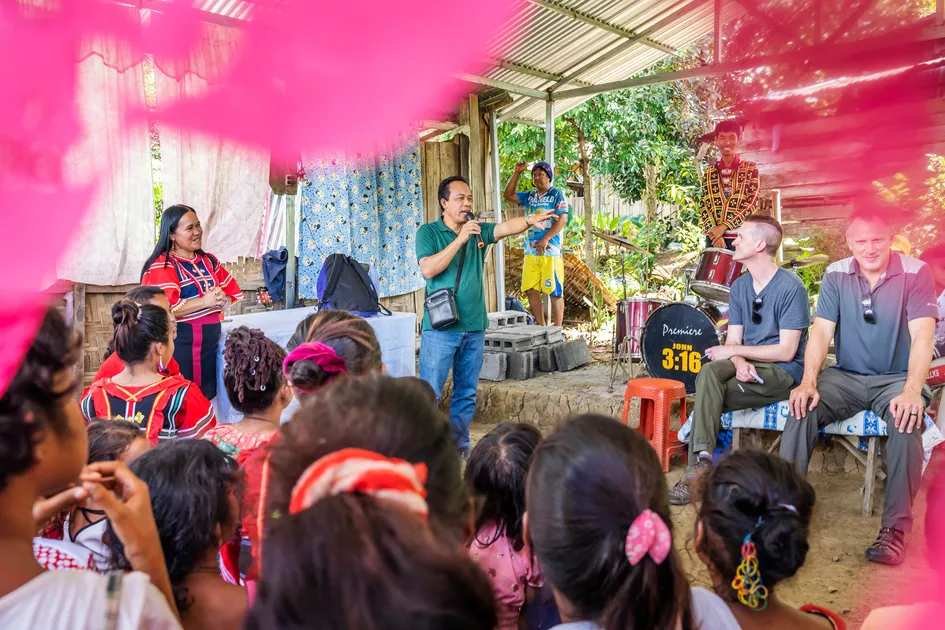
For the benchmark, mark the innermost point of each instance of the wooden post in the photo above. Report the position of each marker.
(78, 322)
(776, 211)
(499, 249)
(717, 33)
(477, 179)
(587, 194)
(291, 243)
(870, 479)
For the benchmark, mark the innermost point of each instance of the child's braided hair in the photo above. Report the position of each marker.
(253, 372)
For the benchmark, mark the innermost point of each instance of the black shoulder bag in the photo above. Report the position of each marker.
(441, 304)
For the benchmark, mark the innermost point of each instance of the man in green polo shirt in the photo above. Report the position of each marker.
(460, 347)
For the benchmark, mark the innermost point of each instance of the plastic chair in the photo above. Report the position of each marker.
(656, 400)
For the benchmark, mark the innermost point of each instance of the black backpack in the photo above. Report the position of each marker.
(343, 284)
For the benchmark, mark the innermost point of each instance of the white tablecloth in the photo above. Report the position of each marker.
(396, 334)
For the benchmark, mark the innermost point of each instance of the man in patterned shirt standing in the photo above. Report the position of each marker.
(729, 189)
(543, 271)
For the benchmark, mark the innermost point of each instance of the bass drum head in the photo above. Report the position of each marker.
(674, 341)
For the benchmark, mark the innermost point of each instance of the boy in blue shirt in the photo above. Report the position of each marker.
(543, 271)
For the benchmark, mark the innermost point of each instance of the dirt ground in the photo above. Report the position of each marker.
(836, 573)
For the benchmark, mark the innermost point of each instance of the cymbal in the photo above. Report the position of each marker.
(620, 241)
(807, 261)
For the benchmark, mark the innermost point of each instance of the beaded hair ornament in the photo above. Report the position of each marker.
(747, 583)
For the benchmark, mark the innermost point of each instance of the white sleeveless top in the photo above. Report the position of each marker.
(76, 600)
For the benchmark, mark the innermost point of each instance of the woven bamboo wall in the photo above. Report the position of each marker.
(98, 327)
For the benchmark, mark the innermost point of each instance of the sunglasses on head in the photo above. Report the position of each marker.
(755, 308)
(867, 303)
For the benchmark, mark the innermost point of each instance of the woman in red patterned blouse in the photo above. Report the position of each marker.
(197, 287)
(165, 407)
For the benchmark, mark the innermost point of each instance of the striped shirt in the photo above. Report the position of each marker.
(185, 279)
(172, 408)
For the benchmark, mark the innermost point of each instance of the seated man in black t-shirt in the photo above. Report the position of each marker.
(763, 356)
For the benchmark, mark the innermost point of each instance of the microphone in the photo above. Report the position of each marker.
(479, 243)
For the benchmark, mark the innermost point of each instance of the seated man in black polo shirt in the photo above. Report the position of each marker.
(879, 307)
(763, 355)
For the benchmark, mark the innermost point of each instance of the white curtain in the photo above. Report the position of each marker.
(226, 183)
(118, 233)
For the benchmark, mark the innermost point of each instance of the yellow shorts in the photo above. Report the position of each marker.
(543, 273)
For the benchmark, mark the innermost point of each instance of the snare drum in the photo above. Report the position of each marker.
(631, 317)
(715, 274)
(676, 337)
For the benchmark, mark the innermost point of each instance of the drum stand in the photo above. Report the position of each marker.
(622, 358)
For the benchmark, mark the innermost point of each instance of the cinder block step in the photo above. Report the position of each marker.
(521, 365)
(503, 319)
(546, 358)
(516, 339)
(494, 367)
(572, 354)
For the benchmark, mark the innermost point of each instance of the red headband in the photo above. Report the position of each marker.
(326, 358)
(355, 470)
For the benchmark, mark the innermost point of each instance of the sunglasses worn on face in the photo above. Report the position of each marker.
(755, 308)
(867, 303)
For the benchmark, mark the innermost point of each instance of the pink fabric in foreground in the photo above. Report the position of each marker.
(306, 76)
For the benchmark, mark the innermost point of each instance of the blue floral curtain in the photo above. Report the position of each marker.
(368, 207)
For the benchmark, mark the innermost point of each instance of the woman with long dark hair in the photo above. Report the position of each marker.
(197, 287)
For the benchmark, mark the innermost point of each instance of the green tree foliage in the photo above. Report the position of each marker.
(626, 131)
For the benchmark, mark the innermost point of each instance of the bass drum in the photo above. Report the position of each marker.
(631, 317)
(676, 337)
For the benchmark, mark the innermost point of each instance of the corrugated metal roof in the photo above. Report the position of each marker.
(543, 38)
(545, 41)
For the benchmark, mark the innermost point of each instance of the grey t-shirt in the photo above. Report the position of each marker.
(784, 306)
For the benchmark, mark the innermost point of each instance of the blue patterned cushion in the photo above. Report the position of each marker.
(865, 424)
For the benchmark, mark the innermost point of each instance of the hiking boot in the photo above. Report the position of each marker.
(889, 548)
(679, 494)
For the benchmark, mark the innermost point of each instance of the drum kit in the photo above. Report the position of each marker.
(670, 338)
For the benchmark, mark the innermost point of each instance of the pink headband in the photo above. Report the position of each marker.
(326, 358)
(648, 535)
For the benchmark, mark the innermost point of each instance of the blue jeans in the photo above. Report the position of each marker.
(441, 350)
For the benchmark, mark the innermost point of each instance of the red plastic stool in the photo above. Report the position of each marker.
(656, 400)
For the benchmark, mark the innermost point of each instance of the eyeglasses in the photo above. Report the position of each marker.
(867, 303)
(755, 308)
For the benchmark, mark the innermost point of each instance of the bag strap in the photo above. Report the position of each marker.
(333, 273)
(112, 599)
(369, 286)
(459, 274)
